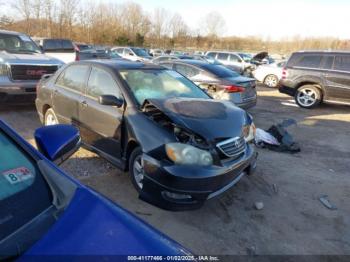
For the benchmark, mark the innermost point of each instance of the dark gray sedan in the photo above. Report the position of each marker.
(219, 81)
(180, 146)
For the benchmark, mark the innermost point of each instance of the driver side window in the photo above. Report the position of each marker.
(102, 83)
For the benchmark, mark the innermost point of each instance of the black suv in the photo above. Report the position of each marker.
(312, 77)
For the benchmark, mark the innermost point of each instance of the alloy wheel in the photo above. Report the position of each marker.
(307, 97)
(138, 171)
(271, 81)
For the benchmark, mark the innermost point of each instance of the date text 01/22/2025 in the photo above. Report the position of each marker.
(173, 258)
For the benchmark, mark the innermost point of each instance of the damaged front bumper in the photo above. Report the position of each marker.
(180, 187)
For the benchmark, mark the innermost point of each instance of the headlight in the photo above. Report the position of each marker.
(249, 132)
(183, 154)
(3, 69)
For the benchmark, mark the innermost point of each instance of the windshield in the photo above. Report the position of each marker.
(155, 83)
(139, 51)
(220, 71)
(246, 57)
(18, 44)
(24, 194)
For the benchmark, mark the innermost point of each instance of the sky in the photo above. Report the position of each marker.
(274, 19)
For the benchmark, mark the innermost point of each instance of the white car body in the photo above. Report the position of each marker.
(263, 71)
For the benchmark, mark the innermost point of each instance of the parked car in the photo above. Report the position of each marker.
(61, 49)
(22, 64)
(220, 82)
(82, 47)
(163, 58)
(46, 212)
(133, 53)
(90, 54)
(239, 62)
(167, 132)
(269, 74)
(156, 52)
(312, 77)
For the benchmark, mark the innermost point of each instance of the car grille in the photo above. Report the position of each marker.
(232, 147)
(30, 72)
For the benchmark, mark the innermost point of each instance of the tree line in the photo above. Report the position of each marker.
(129, 24)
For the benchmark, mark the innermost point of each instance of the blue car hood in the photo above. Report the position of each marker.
(92, 225)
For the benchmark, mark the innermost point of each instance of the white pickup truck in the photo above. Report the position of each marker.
(61, 49)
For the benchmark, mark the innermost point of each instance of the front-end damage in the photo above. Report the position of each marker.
(171, 180)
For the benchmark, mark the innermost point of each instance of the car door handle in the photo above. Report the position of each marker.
(84, 103)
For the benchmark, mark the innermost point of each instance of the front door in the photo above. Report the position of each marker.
(100, 125)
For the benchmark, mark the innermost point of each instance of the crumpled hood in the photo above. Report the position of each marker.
(209, 118)
(34, 58)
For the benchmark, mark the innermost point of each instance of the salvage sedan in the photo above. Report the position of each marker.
(219, 81)
(46, 213)
(180, 146)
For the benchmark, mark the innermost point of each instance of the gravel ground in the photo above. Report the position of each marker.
(293, 220)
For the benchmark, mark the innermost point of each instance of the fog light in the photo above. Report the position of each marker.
(176, 196)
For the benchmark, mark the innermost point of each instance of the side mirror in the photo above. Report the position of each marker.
(110, 100)
(57, 142)
(132, 54)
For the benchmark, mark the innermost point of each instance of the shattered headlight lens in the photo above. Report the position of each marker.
(184, 154)
(249, 132)
(3, 69)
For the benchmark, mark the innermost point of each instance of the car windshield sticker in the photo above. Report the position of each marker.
(18, 175)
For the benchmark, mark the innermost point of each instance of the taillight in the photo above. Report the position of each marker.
(234, 89)
(284, 73)
(77, 57)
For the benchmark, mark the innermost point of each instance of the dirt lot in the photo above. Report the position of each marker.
(293, 220)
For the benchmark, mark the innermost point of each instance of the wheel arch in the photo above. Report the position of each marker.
(317, 84)
(132, 144)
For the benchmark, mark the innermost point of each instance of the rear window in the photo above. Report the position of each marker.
(24, 193)
(342, 63)
(58, 45)
(311, 61)
(220, 71)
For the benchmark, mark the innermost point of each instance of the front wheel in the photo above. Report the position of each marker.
(136, 169)
(308, 96)
(50, 118)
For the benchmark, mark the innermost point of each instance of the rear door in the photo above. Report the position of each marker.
(338, 78)
(100, 125)
(68, 91)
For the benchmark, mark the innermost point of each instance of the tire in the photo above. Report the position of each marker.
(50, 118)
(308, 96)
(271, 81)
(135, 168)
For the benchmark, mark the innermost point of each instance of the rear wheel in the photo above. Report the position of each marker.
(136, 169)
(308, 96)
(50, 118)
(271, 81)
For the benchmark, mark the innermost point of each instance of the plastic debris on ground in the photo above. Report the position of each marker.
(325, 201)
(277, 138)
